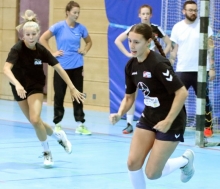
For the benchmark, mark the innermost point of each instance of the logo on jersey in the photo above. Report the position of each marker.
(177, 136)
(148, 101)
(134, 73)
(37, 62)
(146, 74)
(169, 77)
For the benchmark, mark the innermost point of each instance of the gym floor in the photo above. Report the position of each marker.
(97, 161)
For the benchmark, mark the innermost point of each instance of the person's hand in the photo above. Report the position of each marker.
(211, 75)
(58, 53)
(76, 95)
(129, 55)
(114, 118)
(82, 52)
(20, 91)
(162, 126)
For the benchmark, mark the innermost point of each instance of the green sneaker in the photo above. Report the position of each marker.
(82, 130)
(58, 127)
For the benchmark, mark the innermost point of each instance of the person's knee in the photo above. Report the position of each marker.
(134, 164)
(35, 120)
(152, 174)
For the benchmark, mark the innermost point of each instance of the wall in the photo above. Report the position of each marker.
(8, 37)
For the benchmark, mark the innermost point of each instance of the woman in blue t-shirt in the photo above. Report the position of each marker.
(68, 34)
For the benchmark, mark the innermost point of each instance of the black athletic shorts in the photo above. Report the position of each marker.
(37, 89)
(170, 135)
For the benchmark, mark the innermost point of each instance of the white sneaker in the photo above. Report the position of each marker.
(48, 159)
(188, 170)
(58, 127)
(64, 142)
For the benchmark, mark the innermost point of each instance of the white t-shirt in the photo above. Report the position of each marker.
(186, 36)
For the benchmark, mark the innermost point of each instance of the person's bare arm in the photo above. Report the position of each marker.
(167, 41)
(178, 102)
(87, 47)
(44, 40)
(173, 52)
(126, 104)
(211, 58)
(118, 41)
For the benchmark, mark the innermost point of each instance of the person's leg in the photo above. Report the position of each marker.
(141, 144)
(185, 77)
(59, 94)
(189, 79)
(32, 110)
(35, 106)
(160, 153)
(130, 118)
(159, 162)
(76, 76)
(208, 131)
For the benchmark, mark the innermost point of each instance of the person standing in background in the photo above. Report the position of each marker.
(185, 40)
(68, 34)
(145, 14)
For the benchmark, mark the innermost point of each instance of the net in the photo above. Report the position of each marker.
(171, 14)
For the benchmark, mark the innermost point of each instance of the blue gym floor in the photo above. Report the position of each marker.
(97, 161)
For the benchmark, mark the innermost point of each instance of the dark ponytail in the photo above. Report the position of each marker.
(158, 45)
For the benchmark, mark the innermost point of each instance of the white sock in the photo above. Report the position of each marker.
(173, 164)
(45, 146)
(56, 136)
(137, 179)
(79, 123)
(130, 118)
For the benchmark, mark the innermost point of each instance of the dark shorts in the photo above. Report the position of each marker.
(37, 89)
(170, 135)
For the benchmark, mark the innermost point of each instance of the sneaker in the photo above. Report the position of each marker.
(48, 160)
(58, 127)
(188, 170)
(128, 129)
(208, 132)
(82, 130)
(64, 142)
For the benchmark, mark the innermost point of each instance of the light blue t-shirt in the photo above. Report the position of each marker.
(68, 39)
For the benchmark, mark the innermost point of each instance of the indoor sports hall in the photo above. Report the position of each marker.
(98, 161)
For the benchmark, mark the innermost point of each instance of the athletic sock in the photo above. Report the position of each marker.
(130, 118)
(79, 123)
(45, 146)
(173, 164)
(137, 179)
